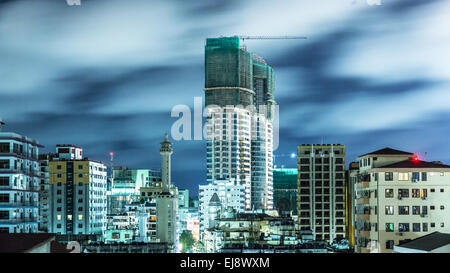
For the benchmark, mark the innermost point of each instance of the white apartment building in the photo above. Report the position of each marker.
(230, 193)
(399, 197)
(78, 188)
(19, 183)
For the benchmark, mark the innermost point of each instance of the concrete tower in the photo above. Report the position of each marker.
(166, 152)
(239, 142)
(166, 200)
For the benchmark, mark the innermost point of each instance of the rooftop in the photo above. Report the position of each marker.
(388, 151)
(411, 164)
(22, 242)
(428, 242)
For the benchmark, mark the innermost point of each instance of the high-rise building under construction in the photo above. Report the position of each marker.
(240, 129)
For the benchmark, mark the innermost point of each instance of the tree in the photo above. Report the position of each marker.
(186, 240)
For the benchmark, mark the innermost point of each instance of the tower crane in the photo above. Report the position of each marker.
(246, 37)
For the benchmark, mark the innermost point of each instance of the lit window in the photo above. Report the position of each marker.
(403, 176)
(58, 217)
(80, 217)
(69, 217)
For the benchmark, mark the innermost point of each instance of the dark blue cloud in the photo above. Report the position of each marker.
(106, 75)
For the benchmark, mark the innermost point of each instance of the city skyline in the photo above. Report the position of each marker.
(82, 92)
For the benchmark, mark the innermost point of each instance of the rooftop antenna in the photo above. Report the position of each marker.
(1, 124)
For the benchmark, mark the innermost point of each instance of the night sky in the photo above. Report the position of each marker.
(105, 75)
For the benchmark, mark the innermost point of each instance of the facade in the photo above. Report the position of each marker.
(321, 190)
(350, 181)
(19, 183)
(45, 197)
(230, 194)
(78, 190)
(239, 92)
(285, 190)
(398, 198)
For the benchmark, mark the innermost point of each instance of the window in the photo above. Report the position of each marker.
(424, 210)
(389, 244)
(403, 176)
(4, 181)
(416, 210)
(403, 210)
(4, 164)
(424, 176)
(389, 227)
(389, 193)
(58, 217)
(389, 176)
(4, 214)
(442, 207)
(403, 227)
(4, 198)
(415, 176)
(402, 193)
(431, 207)
(442, 225)
(424, 193)
(80, 217)
(424, 227)
(415, 193)
(432, 190)
(4, 147)
(389, 210)
(80, 167)
(416, 227)
(432, 225)
(442, 190)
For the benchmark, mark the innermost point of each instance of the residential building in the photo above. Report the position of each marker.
(321, 190)
(239, 96)
(183, 198)
(230, 194)
(249, 230)
(285, 190)
(19, 183)
(78, 188)
(127, 185)
(398, 198)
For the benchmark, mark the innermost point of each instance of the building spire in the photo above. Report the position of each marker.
(166, 151)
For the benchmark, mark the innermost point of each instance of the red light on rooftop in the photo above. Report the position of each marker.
(111, 153)
(415, 158)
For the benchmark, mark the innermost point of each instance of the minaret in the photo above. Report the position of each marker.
(165, 151)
